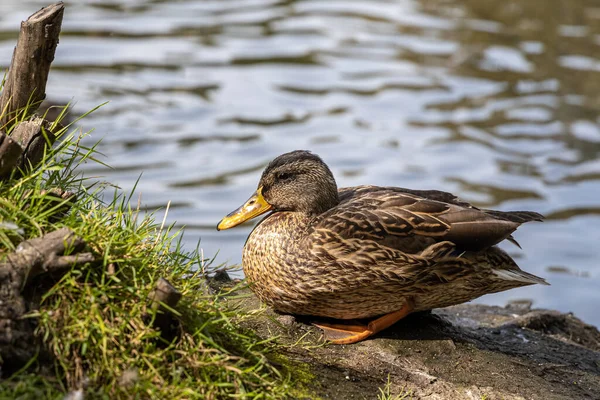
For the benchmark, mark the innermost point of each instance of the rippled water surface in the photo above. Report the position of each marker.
(495, 100)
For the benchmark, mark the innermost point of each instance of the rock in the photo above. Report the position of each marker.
(221, 276)
(287, 320)
(218, 281)
(461, 352)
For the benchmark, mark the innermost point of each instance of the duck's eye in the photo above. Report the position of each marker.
(284, 176)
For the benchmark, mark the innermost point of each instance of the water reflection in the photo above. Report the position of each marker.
(495, 100)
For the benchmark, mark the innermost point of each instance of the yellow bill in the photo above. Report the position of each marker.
(253, 207)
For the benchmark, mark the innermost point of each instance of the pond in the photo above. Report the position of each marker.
(496, 101)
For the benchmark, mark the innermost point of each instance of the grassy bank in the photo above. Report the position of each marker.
(94, 322)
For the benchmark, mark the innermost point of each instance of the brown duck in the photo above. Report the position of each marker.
(368, 251)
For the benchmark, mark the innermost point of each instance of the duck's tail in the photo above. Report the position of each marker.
(519, 276)
(518, 217)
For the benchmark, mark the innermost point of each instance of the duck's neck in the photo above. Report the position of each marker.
(313, 206)
(313, 212)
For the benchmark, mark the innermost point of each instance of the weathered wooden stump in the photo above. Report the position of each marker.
(25, 88)
(30, 65)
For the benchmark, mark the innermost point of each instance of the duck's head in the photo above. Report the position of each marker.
(298, 181)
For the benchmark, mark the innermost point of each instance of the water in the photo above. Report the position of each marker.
(494, 100)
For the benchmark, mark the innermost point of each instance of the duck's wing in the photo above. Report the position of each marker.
(380, 235)
(519, 217)
(350, 193)
(411, 221)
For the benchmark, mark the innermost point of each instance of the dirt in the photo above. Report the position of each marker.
(460, 352)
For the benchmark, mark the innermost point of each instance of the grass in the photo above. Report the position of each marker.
(385, 393)
(94, 321)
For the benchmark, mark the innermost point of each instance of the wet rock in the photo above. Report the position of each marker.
(461, 352)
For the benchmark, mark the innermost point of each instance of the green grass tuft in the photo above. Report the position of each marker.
(94, 322)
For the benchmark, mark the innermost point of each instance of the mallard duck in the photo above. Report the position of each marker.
(369, 252)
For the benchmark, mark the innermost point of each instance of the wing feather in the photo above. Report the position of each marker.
(411, 220)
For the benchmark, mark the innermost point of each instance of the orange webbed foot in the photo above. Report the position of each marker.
(353, 333)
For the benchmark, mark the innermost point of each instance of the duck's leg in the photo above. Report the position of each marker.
(350, 333)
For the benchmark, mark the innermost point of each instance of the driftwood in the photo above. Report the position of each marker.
(30, 65)
(54, 253)
(25, 146)
(33, 136)
(46, 254)
(164, 294)
(10, 152)
(26, 85)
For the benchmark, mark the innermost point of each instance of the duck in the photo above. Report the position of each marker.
(364, 257)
